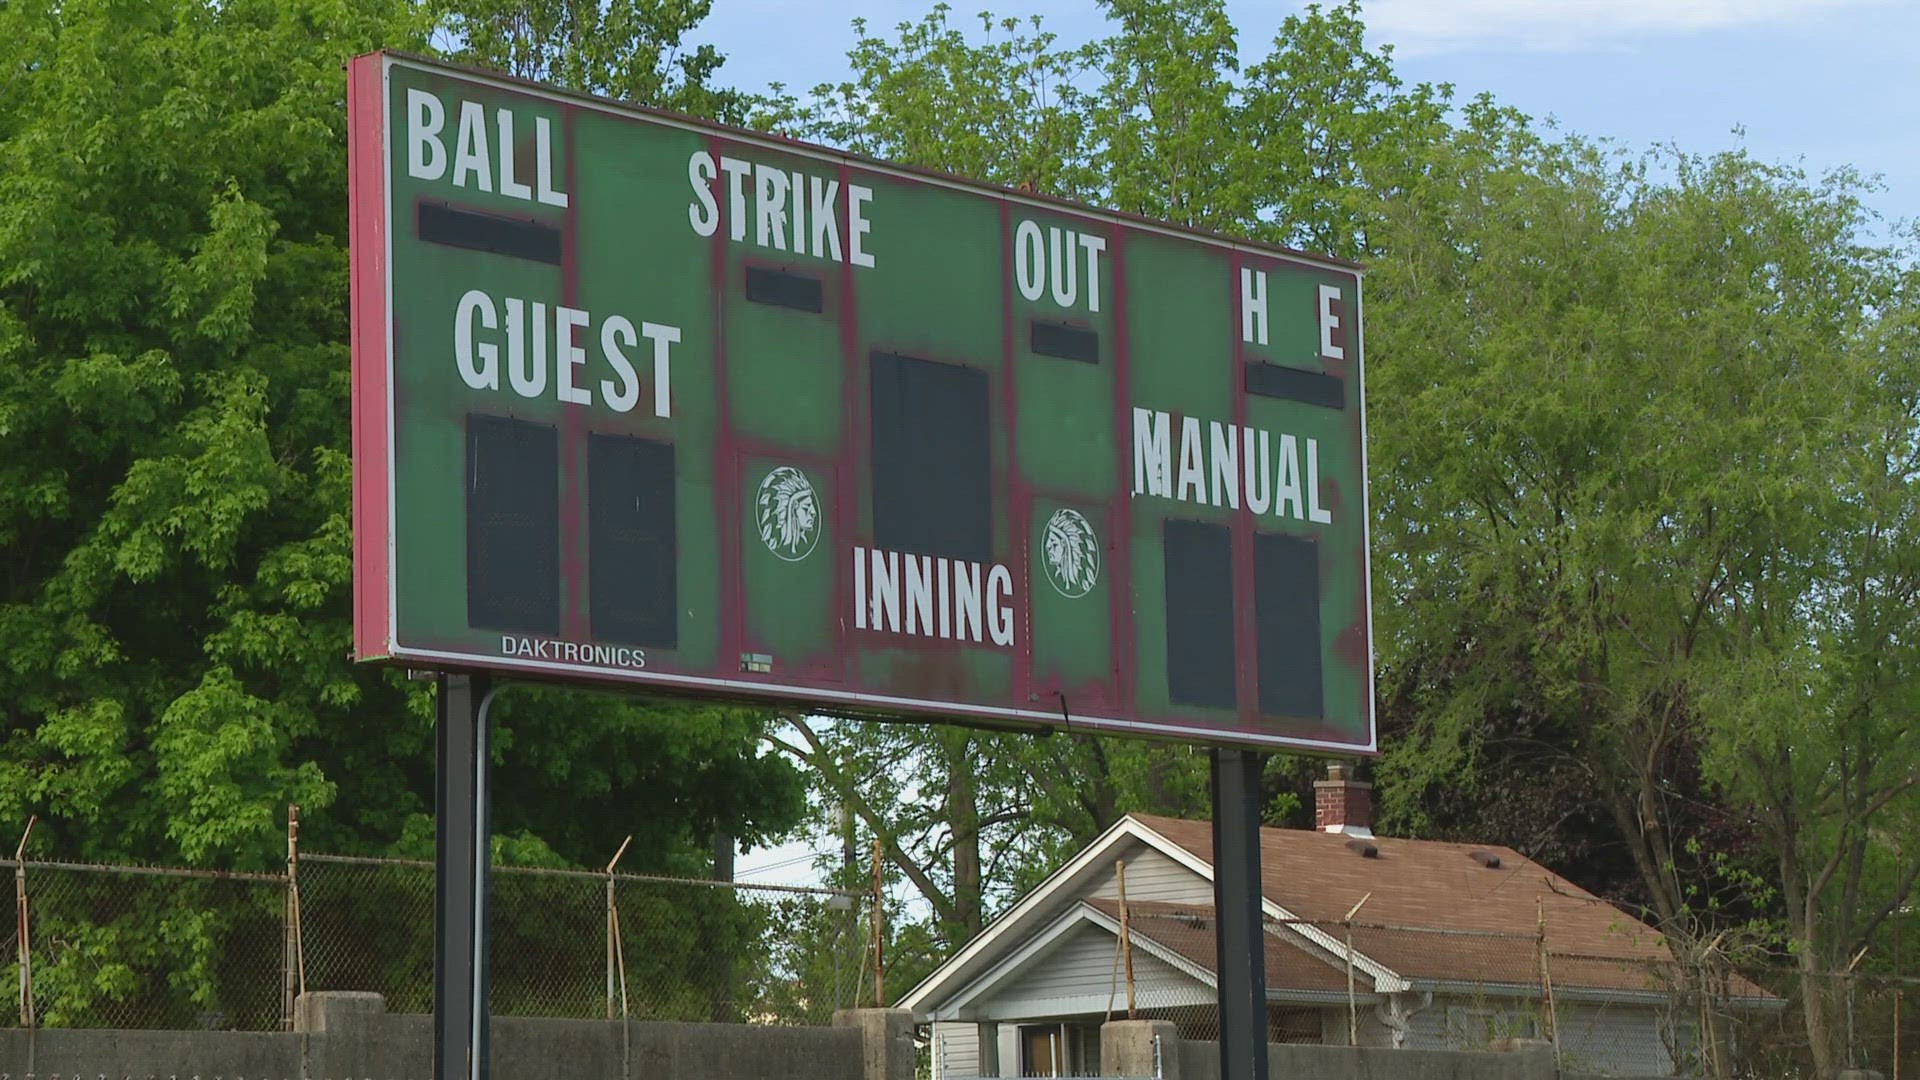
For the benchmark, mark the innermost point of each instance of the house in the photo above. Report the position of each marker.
(1454, 946)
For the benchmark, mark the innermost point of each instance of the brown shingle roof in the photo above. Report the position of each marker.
(1437, 913)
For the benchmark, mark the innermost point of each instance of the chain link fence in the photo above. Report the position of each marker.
(158, 947)
(1633, 1012)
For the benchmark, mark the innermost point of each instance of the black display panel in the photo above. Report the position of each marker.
(513, 525)
(783, 288)
(1286, 604)
(932, 464)
(1199, 586)
(632, 550)
(1293, 384)
(456, 226)
(1065, 341)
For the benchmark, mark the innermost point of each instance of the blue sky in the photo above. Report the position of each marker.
(1832, 82)
(1829, 82)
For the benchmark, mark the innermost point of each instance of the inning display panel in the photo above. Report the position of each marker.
(640, 400)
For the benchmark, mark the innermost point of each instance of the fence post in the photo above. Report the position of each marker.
(1546, 982)
(25, 948)
(1353, 1001)
(616, 952)
(879, 927)
(1126, 937)
(293, 960)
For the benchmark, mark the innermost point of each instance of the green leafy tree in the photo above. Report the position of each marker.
(175, 511)
(633, 50)
(1007, 110)
(1632, 443)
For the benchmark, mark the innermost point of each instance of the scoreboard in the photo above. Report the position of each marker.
(644, 401)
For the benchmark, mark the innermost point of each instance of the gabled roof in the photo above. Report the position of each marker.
(1187, 930)
(1436, 913)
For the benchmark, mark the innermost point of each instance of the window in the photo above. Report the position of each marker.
(1476, 1027)
(1066, 1049)
(1294, 1026)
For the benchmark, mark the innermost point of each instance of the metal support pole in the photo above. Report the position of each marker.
(1240, 938)
(460, 870)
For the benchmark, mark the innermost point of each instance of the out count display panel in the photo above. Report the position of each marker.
(644, 401)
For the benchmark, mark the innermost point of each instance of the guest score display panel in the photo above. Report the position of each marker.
(643, 401)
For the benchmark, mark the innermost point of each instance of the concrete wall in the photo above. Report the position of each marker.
(385, 1047)
(1201, 1061)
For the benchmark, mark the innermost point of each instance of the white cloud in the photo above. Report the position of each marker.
(1432, 26)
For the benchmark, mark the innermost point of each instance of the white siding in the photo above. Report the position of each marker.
(1152, 877)
(1079, 968)
(1334, 1029)
(1615, 1040)
(956, 1050)
(1472, 1023)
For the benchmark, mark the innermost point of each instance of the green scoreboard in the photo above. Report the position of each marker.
(645, 401)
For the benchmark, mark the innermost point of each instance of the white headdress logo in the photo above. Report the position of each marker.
(788, 514)
(1071, 554)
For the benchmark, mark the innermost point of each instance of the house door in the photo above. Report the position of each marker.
(1041, 1052)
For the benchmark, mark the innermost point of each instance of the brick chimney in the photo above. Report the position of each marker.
(1341, 804)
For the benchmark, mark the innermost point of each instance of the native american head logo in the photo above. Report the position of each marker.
(789, 514)
(1071, 554)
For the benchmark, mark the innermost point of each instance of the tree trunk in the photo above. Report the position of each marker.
(963, 817)
(1803, 928)
(1815, 987)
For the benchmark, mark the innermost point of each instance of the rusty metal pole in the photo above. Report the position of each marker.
(1546, 980)
(1353, 1006)
(25, 949)
(613, 934)
(290, 921)
(879, 927)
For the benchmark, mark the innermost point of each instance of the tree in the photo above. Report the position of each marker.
(174, 507)
(633, 50)
(1005, 111)
(175, 512)
(1814, 740)
(1619, 415)
(1166, 116)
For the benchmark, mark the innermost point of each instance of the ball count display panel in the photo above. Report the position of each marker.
(640, 400)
